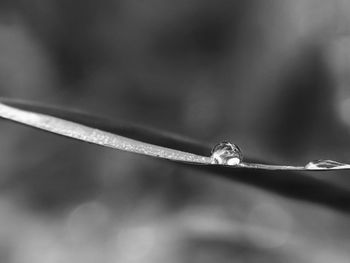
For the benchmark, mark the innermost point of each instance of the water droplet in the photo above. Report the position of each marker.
(325, 164)
(226, 153)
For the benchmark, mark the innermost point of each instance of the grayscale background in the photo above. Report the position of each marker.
(271, 76)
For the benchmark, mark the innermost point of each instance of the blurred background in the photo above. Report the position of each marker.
(271, 76)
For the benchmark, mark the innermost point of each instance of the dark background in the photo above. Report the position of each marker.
(271, 76)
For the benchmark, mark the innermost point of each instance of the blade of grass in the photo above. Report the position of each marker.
(96, 136)
(293, 184)
(197, 153)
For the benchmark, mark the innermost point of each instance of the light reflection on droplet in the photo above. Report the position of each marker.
(226, 153)
(325, 164)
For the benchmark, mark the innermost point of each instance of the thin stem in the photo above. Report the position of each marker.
(286, 181)
(96, 136)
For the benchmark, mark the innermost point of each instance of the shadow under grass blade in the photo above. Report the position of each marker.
(291, 181)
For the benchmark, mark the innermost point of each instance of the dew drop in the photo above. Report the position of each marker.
(325, 164)
(226, 153)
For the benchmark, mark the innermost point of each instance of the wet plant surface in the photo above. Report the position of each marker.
(226, 124)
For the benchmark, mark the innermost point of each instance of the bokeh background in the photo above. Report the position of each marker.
(271, 76)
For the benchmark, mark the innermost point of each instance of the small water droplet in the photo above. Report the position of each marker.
(325, 164)
(226, 153)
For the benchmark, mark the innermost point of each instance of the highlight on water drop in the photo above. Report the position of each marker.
(226, 153)
(326, 164)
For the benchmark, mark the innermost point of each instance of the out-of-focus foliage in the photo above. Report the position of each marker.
(272, 76)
